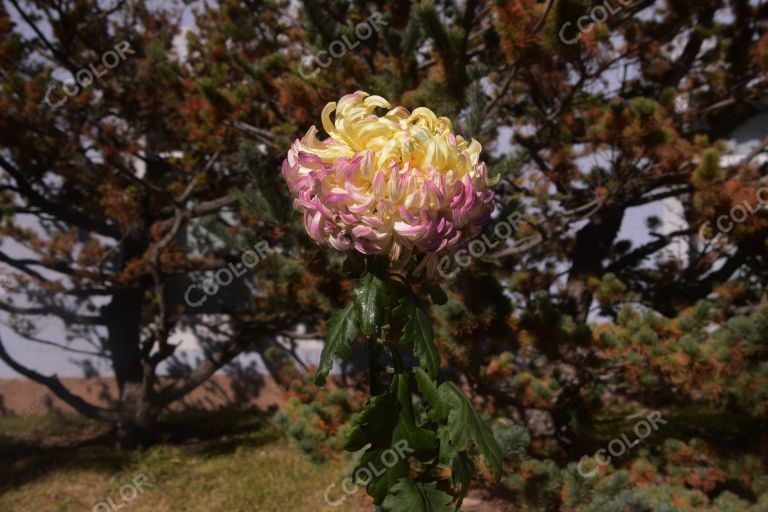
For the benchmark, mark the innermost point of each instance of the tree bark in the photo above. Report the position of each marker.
(136, 413)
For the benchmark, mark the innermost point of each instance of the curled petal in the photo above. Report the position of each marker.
(400, 183)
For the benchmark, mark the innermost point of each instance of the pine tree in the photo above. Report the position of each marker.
(561, 330)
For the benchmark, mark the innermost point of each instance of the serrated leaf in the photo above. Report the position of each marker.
(374, 424)
(384, 475)
(438, 410)
(369, 298)
(418, 333)
(447, 449)
(464, 424)
(419, 440)
(388, 424)
(342, 331)
(408, 496)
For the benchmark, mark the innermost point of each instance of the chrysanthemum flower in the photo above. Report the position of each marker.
(393, 184)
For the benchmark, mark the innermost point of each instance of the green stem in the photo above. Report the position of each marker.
(397, 359)
(374, 352)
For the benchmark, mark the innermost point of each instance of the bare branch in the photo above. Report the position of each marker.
(64, 347)
(204, 370)
(639, 254)
(54, 384)
(540, 22)
(54, 310)
(57, 210)
(755, 152)
(201, 209)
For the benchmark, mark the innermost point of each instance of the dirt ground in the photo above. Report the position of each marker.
(23, 397)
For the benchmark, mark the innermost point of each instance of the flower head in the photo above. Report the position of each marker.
(393, 184)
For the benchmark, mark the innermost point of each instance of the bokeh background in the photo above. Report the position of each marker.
(161, 307)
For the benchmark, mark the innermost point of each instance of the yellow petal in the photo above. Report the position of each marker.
(326, 117)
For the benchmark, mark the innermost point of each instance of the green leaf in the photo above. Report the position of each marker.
(374, 424)
(464, 425)
(388, 425)
(408, 496)
(384, 474)
(461, 426)
(418, 333)
(419, 440)
(342, 330)
(438, 410)
(369, 297)
(462, 469)
(448, 450)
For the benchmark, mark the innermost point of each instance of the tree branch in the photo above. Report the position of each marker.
(54, 384)
(57, 210)
(203, 372)
(639, 254)
(54, 310)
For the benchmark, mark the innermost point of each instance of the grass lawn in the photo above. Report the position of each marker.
(239, 462)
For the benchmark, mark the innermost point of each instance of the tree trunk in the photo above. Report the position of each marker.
(135, 380)
(137, 417)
